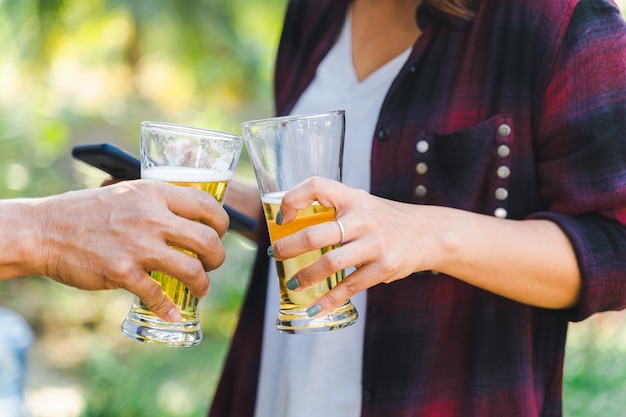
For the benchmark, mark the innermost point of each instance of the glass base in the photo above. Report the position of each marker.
(297, 322)
(150, 329)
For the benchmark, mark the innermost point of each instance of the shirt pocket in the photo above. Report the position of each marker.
(469, 169)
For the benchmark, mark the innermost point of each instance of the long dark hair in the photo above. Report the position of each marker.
(458, 8)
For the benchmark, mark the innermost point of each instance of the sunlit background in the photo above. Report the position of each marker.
(76, 72)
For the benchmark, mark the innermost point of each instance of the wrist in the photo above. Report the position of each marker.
(448, 230)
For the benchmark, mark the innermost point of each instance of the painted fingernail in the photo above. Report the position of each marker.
(174, 315)
(313, 310)
(270, 251)
(292, 284)
(279, 218)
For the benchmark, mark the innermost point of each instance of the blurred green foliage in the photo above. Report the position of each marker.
(74, 72)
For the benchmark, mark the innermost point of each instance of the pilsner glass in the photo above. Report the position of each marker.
(189, 157)
(285, 151)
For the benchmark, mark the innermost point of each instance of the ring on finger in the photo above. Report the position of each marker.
(342, 230)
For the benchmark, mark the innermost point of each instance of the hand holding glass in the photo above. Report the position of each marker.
(285, 151)
(190, 157)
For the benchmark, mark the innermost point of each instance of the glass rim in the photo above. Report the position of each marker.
(192, 130)
(290, 118)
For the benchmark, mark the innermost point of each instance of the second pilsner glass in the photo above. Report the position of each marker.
(285, 151)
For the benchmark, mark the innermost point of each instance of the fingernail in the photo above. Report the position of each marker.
(270, 251)
(292, 284)
(174, 315)
(313, 310)
(279, 218)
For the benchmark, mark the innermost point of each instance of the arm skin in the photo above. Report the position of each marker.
(110, 237)
(529, 261)
(244, 198)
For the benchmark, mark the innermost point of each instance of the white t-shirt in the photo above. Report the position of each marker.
(320, 374)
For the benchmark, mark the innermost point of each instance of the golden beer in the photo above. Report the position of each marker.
(293, 304)
(208, 181)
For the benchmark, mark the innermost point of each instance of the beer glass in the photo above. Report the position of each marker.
(189, 157)
(285, 151)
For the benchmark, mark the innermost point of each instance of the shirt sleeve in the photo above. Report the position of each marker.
(581, 145)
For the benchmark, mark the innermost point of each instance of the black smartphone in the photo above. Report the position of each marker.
(123, 165)
(110, 159)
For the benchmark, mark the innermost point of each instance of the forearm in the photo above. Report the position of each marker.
(244, 198)
(21, 236)
(530, 261)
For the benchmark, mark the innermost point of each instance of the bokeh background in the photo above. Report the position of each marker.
(76, 72)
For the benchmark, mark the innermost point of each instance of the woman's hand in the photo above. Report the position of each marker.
(379, 238)
(111, 237)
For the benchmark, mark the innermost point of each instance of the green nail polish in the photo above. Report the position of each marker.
(279, 218)
(270, 251)
(292, 284)
(313, 310)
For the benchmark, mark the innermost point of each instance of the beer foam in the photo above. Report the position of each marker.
(185, 174)
(273, 198)
(277, 196)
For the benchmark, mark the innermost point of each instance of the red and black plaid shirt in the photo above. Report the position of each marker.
(520, 113)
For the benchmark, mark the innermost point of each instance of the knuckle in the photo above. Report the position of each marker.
(221, 259)
(317, 184)
(158, 304)
(311, 238)
(124, 269)
(152, 188)
(305, 276)
(389, 267)
(335, 298)
(211, 239)
(349, 287)
(278, 249)
(287, 199)
(215, 254)
(332, 262)
(153, 292)
(194, 269)
(197, 279)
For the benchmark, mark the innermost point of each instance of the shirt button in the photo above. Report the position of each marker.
(503, 172)
(412, 69)
(368, 396)
(383, 134)
(420, 190)
(500, 213)
(422, 146)
(376, 311)
(504, 130)
(504, 151)
(421, 168)
(501, 193)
